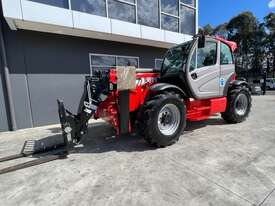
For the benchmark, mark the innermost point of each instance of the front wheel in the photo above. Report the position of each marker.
(238, 105)
(163, 119)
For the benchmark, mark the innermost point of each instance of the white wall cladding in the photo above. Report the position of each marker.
(91, 22)
(46, 14)
(125, 28)
(19, 13)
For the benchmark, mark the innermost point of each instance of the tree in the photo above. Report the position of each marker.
(242, 29)
(206, 30)
(269, 22)
(258, 48)
(221, 30)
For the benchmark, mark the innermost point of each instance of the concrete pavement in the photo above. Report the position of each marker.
(213, 164)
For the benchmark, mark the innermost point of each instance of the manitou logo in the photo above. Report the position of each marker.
(143, 81)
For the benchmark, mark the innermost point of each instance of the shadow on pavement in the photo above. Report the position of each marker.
(101, 138)
(192, 126)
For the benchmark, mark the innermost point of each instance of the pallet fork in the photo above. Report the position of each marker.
(73, 128)
(45, 150)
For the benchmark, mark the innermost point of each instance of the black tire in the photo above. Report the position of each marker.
(232, 113)
(148, 123)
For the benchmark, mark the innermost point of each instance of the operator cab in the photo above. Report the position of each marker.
(202, 67)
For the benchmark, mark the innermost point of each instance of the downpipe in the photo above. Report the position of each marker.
(7, 83)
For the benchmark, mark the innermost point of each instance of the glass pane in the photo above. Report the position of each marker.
(58, 3)
(101, 60)
(189, 2)
(131, 1)
(121, 11)
(127, 61)
(170, 6)
(158, 63)
(169, 23)
(187, 20)
(207, 56)
(100, 68)
(174, 60)
(226, 55)
(148, 13)
(193, 65)
(96, 7)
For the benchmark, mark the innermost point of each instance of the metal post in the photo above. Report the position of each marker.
(7, 83)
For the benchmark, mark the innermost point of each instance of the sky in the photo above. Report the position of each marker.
(216, 12)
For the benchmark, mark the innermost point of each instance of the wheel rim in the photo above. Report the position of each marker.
(241, 104)
(169, 119)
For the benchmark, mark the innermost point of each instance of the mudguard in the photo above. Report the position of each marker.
(159, 87)
(235, 84)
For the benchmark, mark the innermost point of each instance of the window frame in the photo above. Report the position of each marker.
(109, 55)
(159, 15)
(195, 50)
(158, 59)
(195, 16)
(232, 56)
(123, 2)
(179, 17)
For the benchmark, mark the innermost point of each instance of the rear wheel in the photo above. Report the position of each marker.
(238, 105)
(162, 119)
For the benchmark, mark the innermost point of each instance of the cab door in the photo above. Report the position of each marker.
(227, 68)
(203, 70)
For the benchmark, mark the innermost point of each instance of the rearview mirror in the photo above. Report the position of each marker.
(201, 43)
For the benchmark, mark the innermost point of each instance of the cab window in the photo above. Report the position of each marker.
(204, 57)
(226, 55)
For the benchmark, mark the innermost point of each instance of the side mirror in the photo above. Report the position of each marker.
(201, 42)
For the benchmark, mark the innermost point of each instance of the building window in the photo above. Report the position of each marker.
(169, 23)
(104, 62)
(189, 2)
(148, 13)
(58, 3)
(96, 7)
(122, 10)
(170, 15)
(187, 20)
(158, 64)
(170, 7)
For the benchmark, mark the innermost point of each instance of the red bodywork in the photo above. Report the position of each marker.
(233, 45)
(196, 109)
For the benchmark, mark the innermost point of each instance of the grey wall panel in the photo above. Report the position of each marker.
(59, 54)
(46, 88)
(3, 115)
(15, 50)
(21, 100)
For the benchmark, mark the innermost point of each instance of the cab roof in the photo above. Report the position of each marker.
(231, 44)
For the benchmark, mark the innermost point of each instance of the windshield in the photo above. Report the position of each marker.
(175, 58)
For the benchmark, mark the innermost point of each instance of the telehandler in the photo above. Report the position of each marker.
(197, 79)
